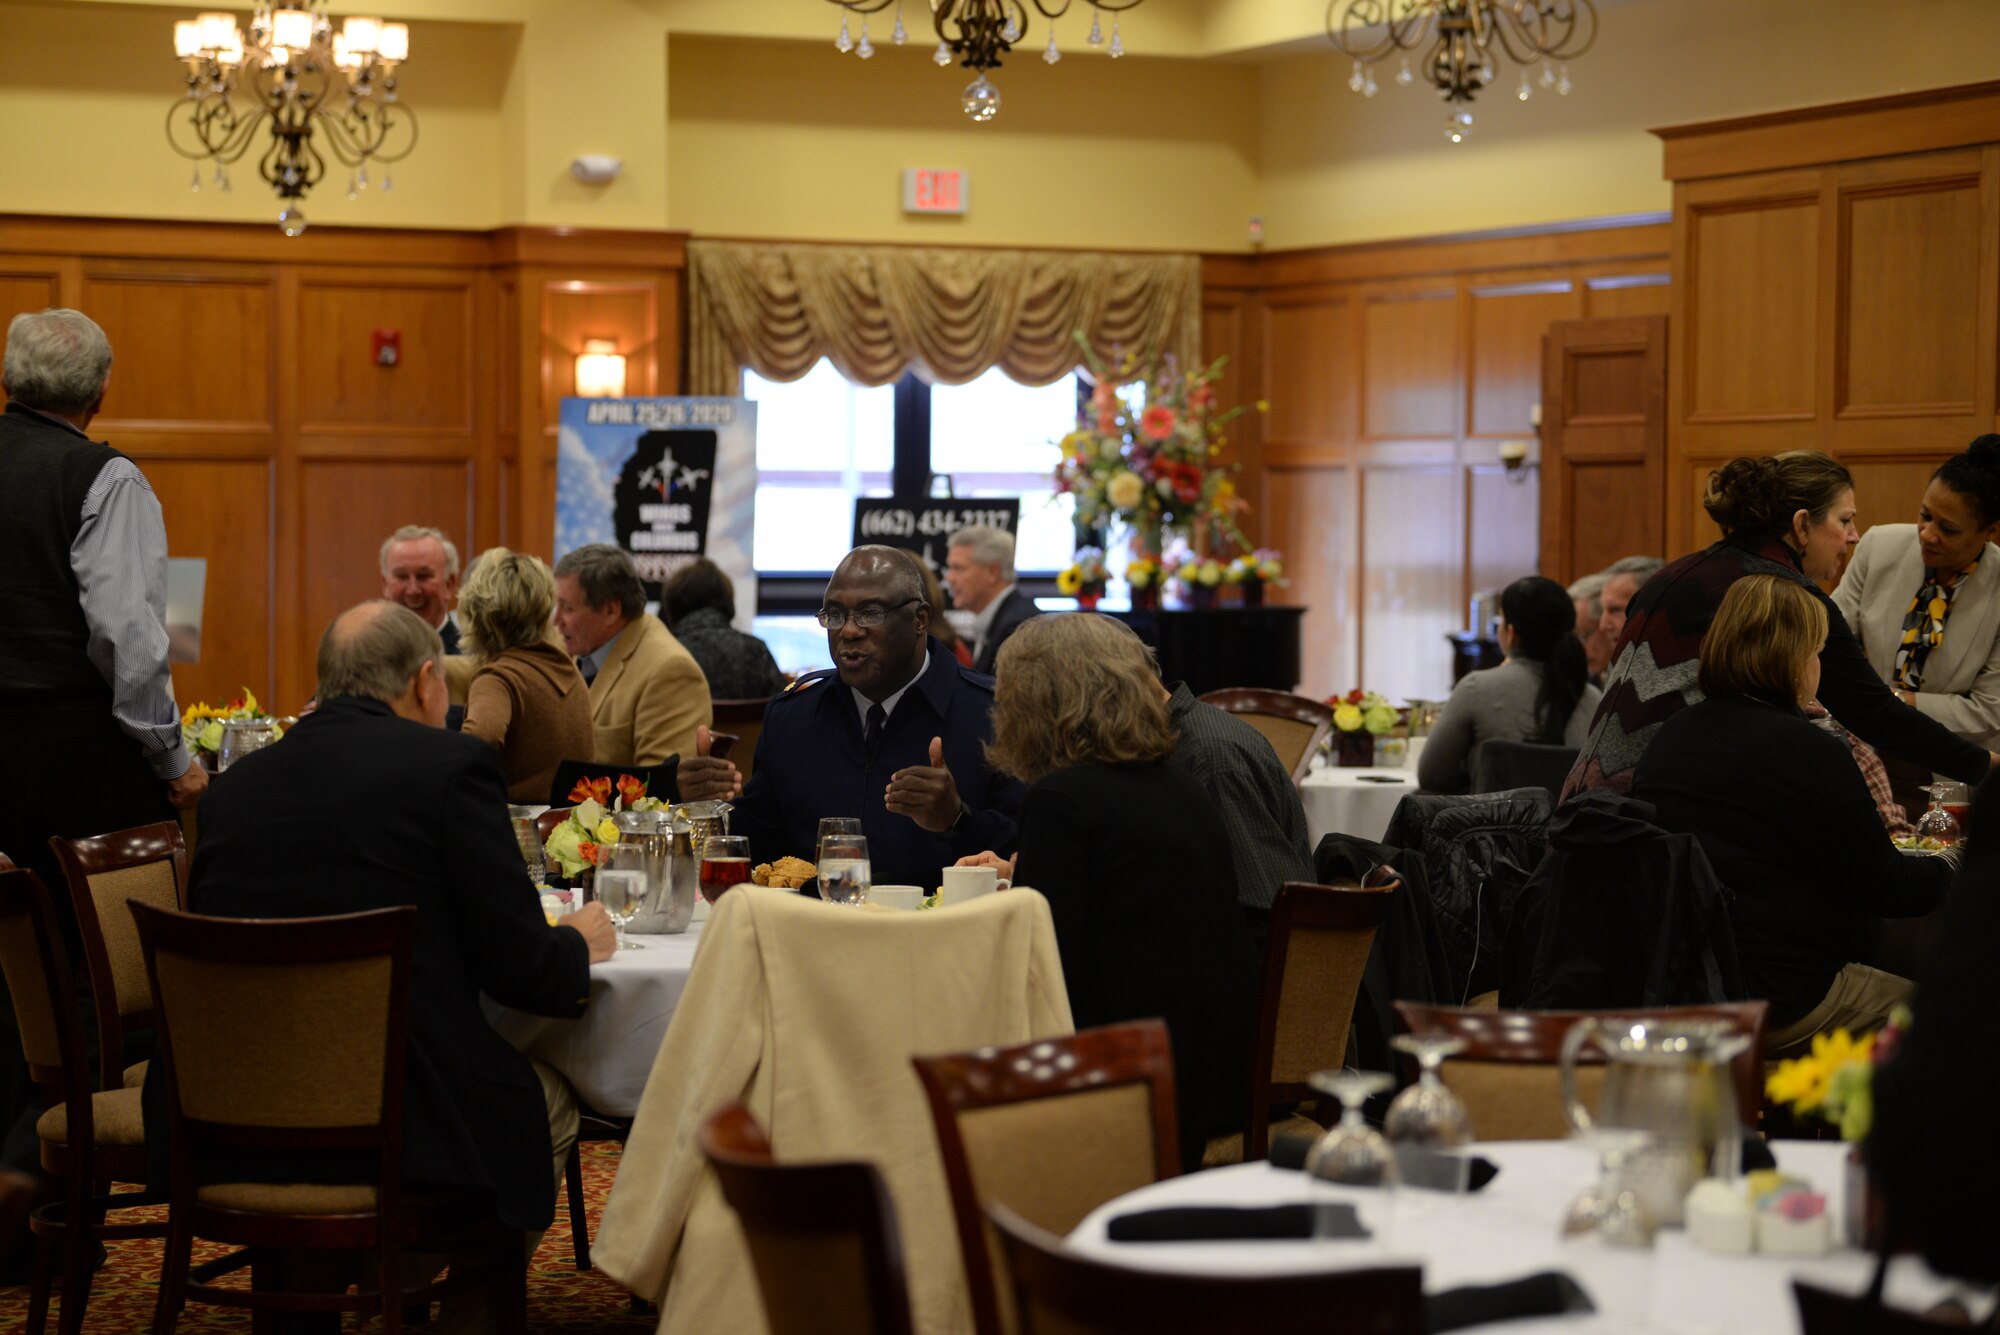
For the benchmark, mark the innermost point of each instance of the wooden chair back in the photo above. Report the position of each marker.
(1051, 1129)
(659, 779)
(1318, 946)
(745, 718)
(148, 864)
(1295, 724)
(1508, 1074)
(545, 824)
(39, 982)
(1060, 1292)
(822, 1236)
(1502, 766)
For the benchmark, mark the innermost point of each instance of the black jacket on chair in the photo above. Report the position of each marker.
(359, 809)
(1014, 608)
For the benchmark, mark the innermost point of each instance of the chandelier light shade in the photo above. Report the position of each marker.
(1458, 42)
(317, 92)
(978, 33)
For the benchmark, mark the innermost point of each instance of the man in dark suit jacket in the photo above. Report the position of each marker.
(979, 567)
(369, 803)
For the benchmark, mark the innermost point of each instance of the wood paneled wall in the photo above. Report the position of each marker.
(1837, 288)
(245, 384)
(1394, 373)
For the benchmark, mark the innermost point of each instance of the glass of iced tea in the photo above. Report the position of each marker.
(725, 861)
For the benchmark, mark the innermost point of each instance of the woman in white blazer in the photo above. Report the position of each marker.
(1924, 598)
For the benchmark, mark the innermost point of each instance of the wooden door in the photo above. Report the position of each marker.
(1604, 443)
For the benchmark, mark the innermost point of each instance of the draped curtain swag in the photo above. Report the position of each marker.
(878, 311)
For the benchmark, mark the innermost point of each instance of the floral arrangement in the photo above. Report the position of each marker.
(1143, 572)
(1360, 709)
(1086, 575)
(1151, 460)
(1836, 1080)
(1198, 573)
(1263, 566)
(579, 840)
(201, 726)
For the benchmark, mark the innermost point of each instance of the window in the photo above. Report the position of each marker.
(996, 437)
(821, 442)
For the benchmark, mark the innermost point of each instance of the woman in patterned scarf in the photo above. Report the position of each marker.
(1924, 598)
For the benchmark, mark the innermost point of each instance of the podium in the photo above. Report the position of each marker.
(1220, 647)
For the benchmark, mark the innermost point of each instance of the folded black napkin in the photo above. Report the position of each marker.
(1550, 1293)
(1223, 1223)
(1757, 1154)
(1424, 1169)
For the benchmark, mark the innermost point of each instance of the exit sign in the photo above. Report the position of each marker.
(935, 190)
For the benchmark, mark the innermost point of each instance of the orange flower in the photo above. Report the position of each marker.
(1103, 396)
(1107, 422)
(631, 788)
(596, 790)
(1157, 422)
(588, 852)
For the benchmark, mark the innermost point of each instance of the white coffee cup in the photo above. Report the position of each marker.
(963, 883)
(896, 896)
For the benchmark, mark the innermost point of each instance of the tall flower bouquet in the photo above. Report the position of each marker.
(1151, 461)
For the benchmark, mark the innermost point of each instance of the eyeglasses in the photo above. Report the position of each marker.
(867, 616)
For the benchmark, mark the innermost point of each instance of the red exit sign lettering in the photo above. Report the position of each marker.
(935, 190)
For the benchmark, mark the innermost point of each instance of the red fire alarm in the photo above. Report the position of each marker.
(388, 346)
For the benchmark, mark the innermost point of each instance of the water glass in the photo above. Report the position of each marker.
(528, 838)
(844, 874)
(621, 887)
(833, 827)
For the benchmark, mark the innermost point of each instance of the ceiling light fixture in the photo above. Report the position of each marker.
(1458, 40)
(977, 33)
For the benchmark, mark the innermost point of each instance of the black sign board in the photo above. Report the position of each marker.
(925, 527)
(660, 509)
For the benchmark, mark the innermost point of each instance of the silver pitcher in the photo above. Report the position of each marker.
(1669, 1078)
(651, 832)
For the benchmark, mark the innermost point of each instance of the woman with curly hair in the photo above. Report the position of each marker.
(1131, 856)
(526, 697)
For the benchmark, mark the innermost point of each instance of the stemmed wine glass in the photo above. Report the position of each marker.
(1939, 822)
(1350, 1154)
(1611, 1209)
(621, 887)
(1428, 1114)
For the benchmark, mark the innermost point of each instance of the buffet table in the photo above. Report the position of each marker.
(1509, 1230)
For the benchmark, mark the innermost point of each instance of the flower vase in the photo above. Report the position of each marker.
(1863, 1213)
(1146, 599)
(1355, 750)
(1086, 597)
(1201, 597)
(1253, 593)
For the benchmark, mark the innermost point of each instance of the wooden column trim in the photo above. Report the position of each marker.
(1837, 132)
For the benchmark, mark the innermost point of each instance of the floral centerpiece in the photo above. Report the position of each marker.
(1085, 578)
(578, 842)
(1147, 453)
(1145, 574)
(1197, 578)
(203, 724)
(1835, 1083)
(1253, 570)
(1359, 717)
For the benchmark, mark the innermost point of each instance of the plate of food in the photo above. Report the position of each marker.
(1919, 845)
(787, 873)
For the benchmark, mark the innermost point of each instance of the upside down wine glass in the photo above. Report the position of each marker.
(1352, 1153)
(1428, 1114)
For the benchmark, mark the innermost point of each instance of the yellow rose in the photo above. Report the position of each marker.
(607, 831)
(1347, 718)
(1124, 489)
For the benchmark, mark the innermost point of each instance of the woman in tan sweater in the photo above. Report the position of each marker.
(526, 696)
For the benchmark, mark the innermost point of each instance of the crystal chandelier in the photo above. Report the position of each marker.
(977, 33)
(1457, 39)
(324, 92)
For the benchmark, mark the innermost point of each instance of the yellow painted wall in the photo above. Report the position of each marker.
(787, 140)
(84, 94)
(1335, 167)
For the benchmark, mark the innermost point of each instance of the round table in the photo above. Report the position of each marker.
(607, 1053)
(1357, 801)
(1508, 1231)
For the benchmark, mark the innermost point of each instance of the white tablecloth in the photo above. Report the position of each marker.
(1509, 1230)
(1352, 801)
(608, 1052)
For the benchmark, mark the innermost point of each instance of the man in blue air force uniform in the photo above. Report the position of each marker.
(894, 733)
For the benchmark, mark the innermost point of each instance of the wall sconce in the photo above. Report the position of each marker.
(1514, 458)
(600, 370)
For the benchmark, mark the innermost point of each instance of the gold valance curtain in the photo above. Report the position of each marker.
(878, 311)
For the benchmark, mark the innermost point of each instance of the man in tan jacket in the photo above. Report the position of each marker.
(647, 694)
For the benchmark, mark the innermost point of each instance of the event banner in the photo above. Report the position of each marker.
(669, 480)
(925, 527)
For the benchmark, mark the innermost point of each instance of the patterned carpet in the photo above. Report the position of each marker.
(559, 1299)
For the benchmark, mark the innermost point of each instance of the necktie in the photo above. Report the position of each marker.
(589, 671)
(872, 735)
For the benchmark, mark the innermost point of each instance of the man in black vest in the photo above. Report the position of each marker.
(92, 735)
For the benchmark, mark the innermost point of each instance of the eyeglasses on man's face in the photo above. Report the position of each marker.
(867, 616)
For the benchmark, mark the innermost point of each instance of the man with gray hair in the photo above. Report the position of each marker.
(1622, 579)
(979, 569)
(647, 694)
(369, 803)
(420, 571)
(1587, 596)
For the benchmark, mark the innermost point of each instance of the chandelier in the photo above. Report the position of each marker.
(323, 92)
(977, 33)
(1458, 40)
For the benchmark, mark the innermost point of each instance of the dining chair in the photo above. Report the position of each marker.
(1500, 766)
(104, 873)
(1051, 1129)
(1058, 1291)
(287, 1038)
(823, 1235)
(1295, 724)
(1313, 960)
(745, 718)
(86, 1138)
(1508, 1074)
